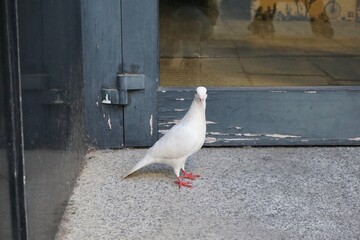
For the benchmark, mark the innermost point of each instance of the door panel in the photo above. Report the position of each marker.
(120, 45)
(102, 60)
(140, 56)
(251, 117)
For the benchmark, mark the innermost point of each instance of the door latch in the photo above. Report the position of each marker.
(125, 83)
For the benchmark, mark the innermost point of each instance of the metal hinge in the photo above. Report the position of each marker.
(125, 83)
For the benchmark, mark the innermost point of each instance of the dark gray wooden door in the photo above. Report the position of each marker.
(120, 52)
(256, 117)
(102, 60)
(121, 41)
(140, 56)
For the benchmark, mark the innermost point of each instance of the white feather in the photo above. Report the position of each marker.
(182, 140)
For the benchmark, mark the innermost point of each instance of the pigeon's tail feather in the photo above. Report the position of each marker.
(144, 162)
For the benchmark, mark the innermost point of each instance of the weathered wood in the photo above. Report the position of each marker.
(255, 117)
(140, 55)
(102, 58)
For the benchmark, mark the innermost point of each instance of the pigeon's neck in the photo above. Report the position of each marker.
(196, 111)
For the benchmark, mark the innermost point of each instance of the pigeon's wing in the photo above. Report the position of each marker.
(177, 143)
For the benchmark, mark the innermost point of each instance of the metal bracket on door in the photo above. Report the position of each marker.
(38, 84)
(125, 83)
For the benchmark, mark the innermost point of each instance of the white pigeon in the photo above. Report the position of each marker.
(181, 141)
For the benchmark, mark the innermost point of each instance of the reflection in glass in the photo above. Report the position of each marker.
(259, 42)
(52, 98)
(5, 207)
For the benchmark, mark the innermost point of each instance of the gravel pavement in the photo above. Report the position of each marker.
(243, 193)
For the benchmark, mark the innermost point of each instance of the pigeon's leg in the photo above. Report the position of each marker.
(181, 182)
(190, 176)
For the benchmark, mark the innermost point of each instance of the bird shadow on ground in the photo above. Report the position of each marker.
(154, 177)
(157, 171)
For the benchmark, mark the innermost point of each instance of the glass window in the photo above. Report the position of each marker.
(5, 201)
(259, 42)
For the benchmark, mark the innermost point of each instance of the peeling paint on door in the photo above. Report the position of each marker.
(281, 136)
(109, 122)
(151, 125)
(210, 140)
(163, 131)
(251, 135)
(355, 139)
(277, 91)
(217, 133)
(240, 139)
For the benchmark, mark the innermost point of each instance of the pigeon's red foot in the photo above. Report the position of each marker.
(180, 182)
(190, 176)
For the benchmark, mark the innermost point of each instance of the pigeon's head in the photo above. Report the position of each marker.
(201, 95)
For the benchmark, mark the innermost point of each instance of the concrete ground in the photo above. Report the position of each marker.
(243, 193)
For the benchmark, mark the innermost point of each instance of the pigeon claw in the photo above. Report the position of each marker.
(190, 176)
(180, 182)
